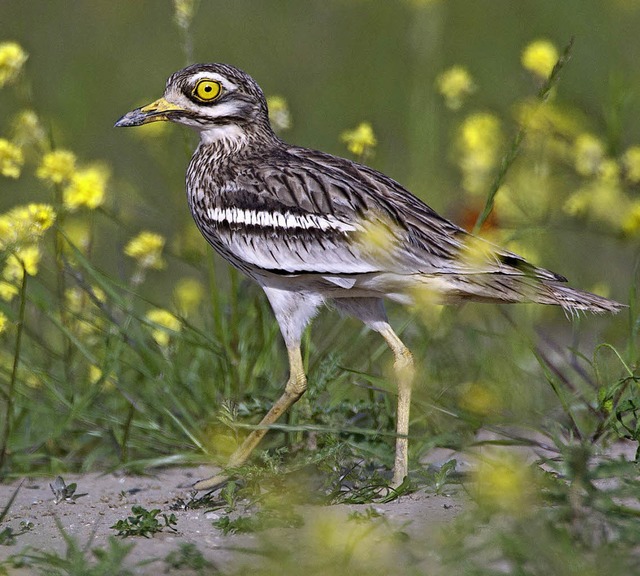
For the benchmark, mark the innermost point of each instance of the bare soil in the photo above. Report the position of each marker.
(108, 498)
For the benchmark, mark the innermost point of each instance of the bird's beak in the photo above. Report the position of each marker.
(155, 112)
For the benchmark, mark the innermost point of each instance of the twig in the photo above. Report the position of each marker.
(514, 150)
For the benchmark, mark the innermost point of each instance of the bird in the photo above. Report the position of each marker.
(312, 228)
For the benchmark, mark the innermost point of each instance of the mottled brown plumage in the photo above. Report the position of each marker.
(312, 228)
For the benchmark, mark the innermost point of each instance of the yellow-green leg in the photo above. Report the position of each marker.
(404, 371)
(295, 388)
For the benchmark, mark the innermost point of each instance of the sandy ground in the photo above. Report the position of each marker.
(109, 498)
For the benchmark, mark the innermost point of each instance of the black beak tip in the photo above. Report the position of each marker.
(133, 118)
(122, 122)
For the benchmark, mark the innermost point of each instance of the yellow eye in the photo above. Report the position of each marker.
(207, 90)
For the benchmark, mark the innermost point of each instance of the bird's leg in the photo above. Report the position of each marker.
(295, 388)
(404, 371)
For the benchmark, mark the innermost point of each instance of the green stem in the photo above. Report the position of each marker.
(514, 149)
(61, 283)
(6, 431)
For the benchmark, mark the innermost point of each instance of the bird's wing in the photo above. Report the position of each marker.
(300, 211)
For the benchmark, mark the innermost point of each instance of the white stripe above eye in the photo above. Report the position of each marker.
(225, 82)
(285, 220)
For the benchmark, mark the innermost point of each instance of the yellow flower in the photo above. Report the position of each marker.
(78, 234)
(601, 200)
(540, 57)
(631, 163)
(12, 58)
(74, 299)
(341, 546)
(279, 114)
(631, 223)
(166, 323)
(480, 399)
(378, 236)
(479, 142)
(183, 11)
(57, 167)
(81, 305)
(188, 294)
(609, 172)
(146, 248)
(77, 298)
(478, 255)
(27, 129)
(11, 159)
(25, 259)
(95, 374)
(578, 203)
(7, 291)
(427, 302)
(4, 321)
(455, 84)
(25, 223)
(504, 483)
(544, 118)
(481, 132)
(87, 188)
(361, 140)
(589, 152)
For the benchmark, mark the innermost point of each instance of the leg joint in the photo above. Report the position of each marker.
(297, 384)
(403, 359)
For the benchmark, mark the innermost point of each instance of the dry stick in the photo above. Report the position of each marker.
(514, 150)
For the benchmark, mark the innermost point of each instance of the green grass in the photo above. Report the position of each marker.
(143, 522)
(86, 385)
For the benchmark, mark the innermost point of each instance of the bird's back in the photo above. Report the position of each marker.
(309, 220)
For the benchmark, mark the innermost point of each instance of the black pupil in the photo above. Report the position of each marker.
(207, 88)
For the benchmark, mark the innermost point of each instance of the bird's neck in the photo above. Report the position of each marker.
(229, 136)
(233, 140)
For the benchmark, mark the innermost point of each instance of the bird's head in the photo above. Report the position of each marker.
(217, 100)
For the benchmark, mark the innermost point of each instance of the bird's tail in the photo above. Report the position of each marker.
(573, 300)
(514, 288)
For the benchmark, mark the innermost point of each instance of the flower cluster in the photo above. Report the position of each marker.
(602, 185)
(20, 230)
(82, 188)
(25, 224)
(603, 197)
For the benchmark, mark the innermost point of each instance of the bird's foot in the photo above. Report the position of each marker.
(211, 483)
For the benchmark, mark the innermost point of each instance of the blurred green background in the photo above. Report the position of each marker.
(337, 63)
